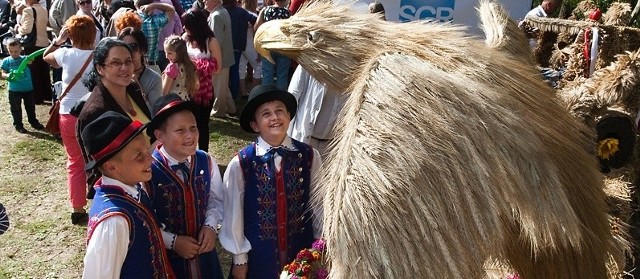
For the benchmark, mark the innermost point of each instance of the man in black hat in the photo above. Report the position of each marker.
(267, 217)
(124, 239)
(187, 190)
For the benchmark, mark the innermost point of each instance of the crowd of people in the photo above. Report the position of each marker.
(138, 82)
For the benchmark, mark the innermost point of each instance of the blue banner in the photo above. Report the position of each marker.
(438, 10)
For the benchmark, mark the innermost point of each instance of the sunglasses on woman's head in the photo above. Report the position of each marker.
(134, 46)
(84, 2)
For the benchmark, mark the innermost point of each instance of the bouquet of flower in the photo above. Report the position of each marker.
(308, 264)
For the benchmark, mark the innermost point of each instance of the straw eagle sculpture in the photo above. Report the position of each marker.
(448, 151)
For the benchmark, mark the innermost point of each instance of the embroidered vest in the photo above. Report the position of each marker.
(277, 218)
(144, 258)
(181, 207)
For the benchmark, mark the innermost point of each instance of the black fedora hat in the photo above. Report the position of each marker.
(164, 107)
(260, 95)
(105, 136)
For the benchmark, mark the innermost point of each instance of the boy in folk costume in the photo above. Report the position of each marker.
(268, 184)
(186, 190)
(124, 241)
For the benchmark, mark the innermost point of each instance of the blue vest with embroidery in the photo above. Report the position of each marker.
(145, 257)
(181, 207)
(260, 208)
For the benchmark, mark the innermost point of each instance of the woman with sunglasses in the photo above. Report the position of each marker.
(85, 7)
(113, 90)
(81, 31)
(150, 80)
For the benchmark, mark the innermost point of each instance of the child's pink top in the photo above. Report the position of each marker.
(176, 72)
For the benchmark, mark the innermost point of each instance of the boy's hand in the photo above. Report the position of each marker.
(206, 239)
(186, 247)
(239, 271)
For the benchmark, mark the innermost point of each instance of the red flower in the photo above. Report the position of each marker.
(293, 267)
(305, 255)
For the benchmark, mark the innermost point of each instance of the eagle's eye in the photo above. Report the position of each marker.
(312, 36)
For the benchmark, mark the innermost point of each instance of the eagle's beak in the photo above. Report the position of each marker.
(269, 37)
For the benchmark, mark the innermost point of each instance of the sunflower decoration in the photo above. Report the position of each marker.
(615, 140)
(607, 148)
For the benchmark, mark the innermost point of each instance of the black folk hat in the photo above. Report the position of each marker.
(260, 95)
(164, 107)
(105, 136)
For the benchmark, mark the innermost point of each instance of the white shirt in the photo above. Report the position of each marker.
(232, 233)
(71, 60)
(109, 242)
(318, 107)
(196, 53)
(213, 213)
(537, 11)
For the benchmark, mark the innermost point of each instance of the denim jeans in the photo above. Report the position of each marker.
(234, 75)
(15, 100)
(280, 71)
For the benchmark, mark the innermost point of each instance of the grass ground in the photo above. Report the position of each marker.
(42, 242)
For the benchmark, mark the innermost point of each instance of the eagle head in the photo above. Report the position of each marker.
(334, 43)
(318, 35)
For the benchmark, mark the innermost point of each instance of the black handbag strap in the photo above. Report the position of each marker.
(35, 20)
